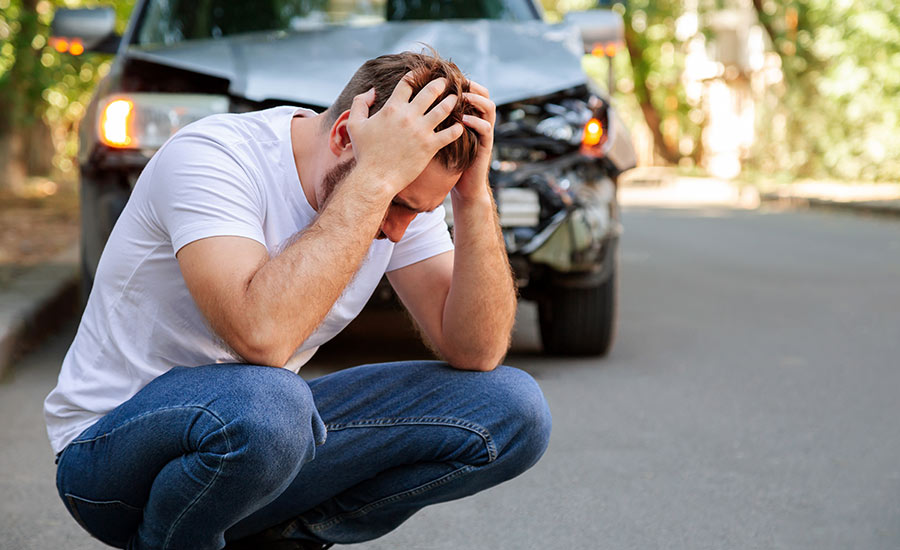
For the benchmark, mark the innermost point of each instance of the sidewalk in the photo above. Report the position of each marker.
(868, 198)
(35, 302)
(663, 187)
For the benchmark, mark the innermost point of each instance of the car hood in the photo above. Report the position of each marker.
(513, 60)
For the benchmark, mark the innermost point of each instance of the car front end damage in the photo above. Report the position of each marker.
(556, 161)
(558, 149)
(555, 190)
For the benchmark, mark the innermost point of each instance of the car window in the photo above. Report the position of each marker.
(173, 21)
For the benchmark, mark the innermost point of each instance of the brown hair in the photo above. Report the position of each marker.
(384, 72)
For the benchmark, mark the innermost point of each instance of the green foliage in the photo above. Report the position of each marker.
(838, 112)
(658, 61)
(39, 84)
(649, 77)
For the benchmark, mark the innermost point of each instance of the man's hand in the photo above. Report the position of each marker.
(396, 144)
(465, 301)
(265, 307)
(474, 181)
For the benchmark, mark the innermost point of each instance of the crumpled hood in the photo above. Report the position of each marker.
(513, 60)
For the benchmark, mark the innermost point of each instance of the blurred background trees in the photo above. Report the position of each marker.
(782, 88)
(43, 94)
(837, 112)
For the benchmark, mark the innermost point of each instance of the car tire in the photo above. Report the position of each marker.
(579, 321)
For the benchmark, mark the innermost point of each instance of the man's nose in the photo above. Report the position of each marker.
(395, 226)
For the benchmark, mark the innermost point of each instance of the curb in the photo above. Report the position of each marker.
(684, 192)
(889, 208)
(35, 303)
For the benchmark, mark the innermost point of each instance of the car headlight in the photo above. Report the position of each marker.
(147, 120)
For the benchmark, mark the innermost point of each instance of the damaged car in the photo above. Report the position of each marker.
(559, 145)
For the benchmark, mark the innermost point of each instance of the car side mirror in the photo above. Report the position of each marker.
(599, 29)
(80, 30)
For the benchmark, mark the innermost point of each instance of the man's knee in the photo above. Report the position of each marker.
(275, 426)
(524, 421)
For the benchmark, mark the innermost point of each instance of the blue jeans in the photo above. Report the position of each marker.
(205, 455)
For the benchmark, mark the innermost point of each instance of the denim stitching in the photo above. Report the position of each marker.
(74, 500)
(446, 478)
(426, 421)
(164, 409)
(141, 416)
(208, 485)
(89, 502)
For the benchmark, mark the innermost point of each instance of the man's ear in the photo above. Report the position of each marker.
(339, 137)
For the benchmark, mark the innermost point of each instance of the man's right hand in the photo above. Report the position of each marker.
(396, 144)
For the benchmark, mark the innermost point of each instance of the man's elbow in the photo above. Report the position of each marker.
(482, 362)
(258, 350)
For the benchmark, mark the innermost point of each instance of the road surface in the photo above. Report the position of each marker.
(750, 402)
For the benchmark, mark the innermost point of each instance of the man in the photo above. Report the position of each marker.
(251, 239)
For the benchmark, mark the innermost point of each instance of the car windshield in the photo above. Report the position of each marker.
(173, 21)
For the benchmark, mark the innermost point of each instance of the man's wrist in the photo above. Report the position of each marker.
(378, 186)
(480, 197)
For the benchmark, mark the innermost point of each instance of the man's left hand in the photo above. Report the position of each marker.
(474, 182)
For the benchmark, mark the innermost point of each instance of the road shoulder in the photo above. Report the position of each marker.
(35, 302)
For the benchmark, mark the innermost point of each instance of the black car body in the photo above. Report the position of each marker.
(559, 146)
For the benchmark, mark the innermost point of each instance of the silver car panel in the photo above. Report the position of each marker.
(514, 60)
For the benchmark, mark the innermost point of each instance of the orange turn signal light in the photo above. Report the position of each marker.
(63, 45)
(605, 50)
(60, 44)
(115, 123)
(593, 132)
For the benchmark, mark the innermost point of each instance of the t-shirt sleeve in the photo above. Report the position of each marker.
(425, 237)
(200, 189)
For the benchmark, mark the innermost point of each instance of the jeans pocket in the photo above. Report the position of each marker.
(111, 521)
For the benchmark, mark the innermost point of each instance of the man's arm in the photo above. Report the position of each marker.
(263, 307)
(465, 301)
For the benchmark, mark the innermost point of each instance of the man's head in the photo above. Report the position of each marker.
(428, 190)
(384, 72)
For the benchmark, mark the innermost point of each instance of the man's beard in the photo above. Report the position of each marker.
(333, 178)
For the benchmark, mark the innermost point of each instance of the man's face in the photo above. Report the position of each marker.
(424, 194)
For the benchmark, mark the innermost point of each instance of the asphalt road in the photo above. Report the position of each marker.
(750, 402)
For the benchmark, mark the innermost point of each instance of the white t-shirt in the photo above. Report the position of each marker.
(226, 174)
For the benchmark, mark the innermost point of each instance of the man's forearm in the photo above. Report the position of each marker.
(291, 293)
(480, 309)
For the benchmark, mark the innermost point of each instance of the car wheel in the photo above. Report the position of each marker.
(579, 321)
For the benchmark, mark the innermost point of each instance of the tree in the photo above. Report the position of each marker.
(20, 88)
(42, 92)
(841, 95)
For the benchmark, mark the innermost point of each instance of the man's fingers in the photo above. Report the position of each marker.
(402, 91)
(448, 135)
(427, 95)
(483, 104)
(441, 111)
(480, 125)
(479, 89)
(359, 109)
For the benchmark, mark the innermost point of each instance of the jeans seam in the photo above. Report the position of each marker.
(221, 422)
(139, 417)
(485, 435)
(208, 485)
(446, 478)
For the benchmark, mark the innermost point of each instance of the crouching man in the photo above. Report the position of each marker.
(250, 240)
